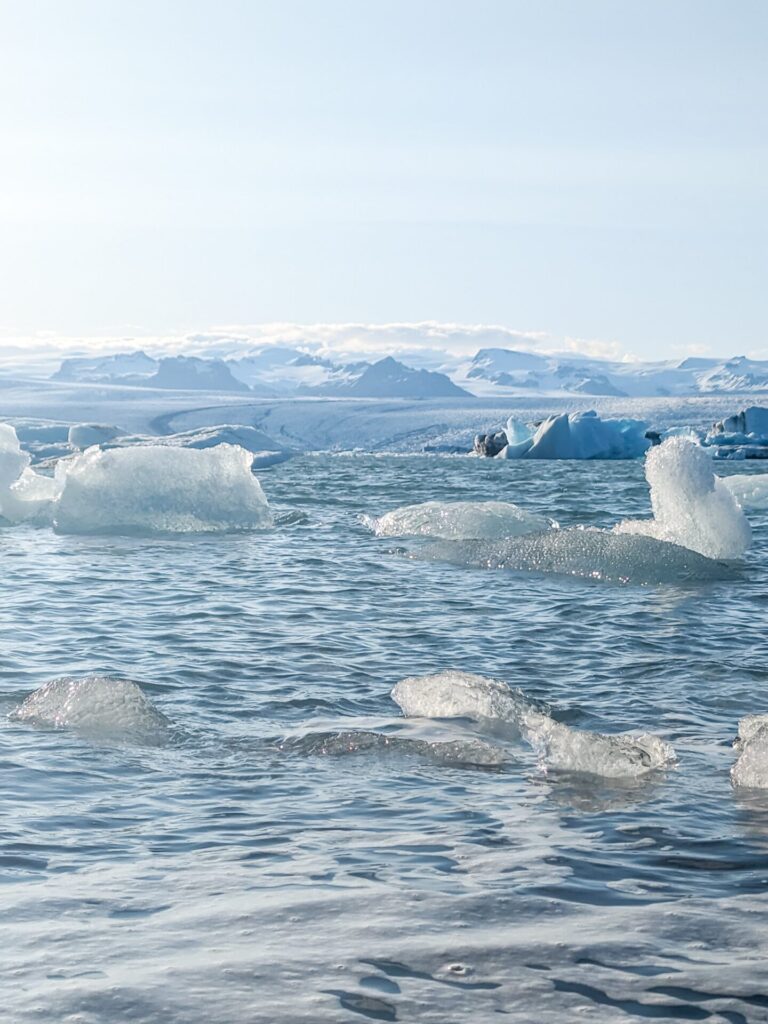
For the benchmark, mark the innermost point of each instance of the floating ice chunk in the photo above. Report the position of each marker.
(594, 753)
(753, 420)
(157, 489)
(463, 695)
(96, 705)
(458, 520)
(751, 766)
(587, 553)
(83, 435)
(13, 461)
(580, 435)
(24, 495)
(454, 694)
(691, 506)
(750, 491)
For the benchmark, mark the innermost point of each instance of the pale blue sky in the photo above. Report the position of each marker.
(587, 168)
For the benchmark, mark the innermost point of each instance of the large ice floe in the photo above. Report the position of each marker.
(160, 490)
(494, 705)
(577, 435)
(751, 767)
(96, 706)
(691, 506)
(458, 520)
(146, 489)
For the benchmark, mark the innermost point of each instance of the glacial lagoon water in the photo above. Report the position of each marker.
(293, 849)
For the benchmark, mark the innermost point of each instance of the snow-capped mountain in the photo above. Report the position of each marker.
(278, 371)
(504, 371)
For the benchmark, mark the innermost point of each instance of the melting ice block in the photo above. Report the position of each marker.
(24, 494)
(691, 506)
(158, 489)
(458, 520)
(751, 766)
(95, 705)
(464, 695)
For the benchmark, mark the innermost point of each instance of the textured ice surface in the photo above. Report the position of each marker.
(463, 695)
(750, 491)
(691, 506)
(96, 705)
(458, 520)
(83, 435)
(751, 767)
(157, 489)
(469, 751)
(588, 553)
(578, 435)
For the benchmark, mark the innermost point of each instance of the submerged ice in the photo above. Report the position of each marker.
(96, 705)
(586, 553)
(492, 702)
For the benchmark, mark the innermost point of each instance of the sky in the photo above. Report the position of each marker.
(589, 171)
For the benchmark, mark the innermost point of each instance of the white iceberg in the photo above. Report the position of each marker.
(751, 767)
(580, 435)
(749, 490)
(492, 702)
(159, 489)
(458, 520)
(84, 435)
(96, 705)
(24, 494)
(691, 506)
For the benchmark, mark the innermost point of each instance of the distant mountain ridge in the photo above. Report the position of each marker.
(275, 371)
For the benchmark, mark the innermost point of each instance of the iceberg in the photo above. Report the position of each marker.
(750, 491)
(24, 494)
(751, 766)
(580, 435)
(84, 435)
(159, 489)
(95, 705)
(458, 520)
(587, 553)
(691, 506)
(491, 702)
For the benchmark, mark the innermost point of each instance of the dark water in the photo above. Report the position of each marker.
(247, 871)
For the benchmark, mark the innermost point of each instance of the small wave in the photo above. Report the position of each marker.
(94, 705)
(458, 520)
(559, 747)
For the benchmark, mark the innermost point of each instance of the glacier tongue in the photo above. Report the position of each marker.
(453, 694)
